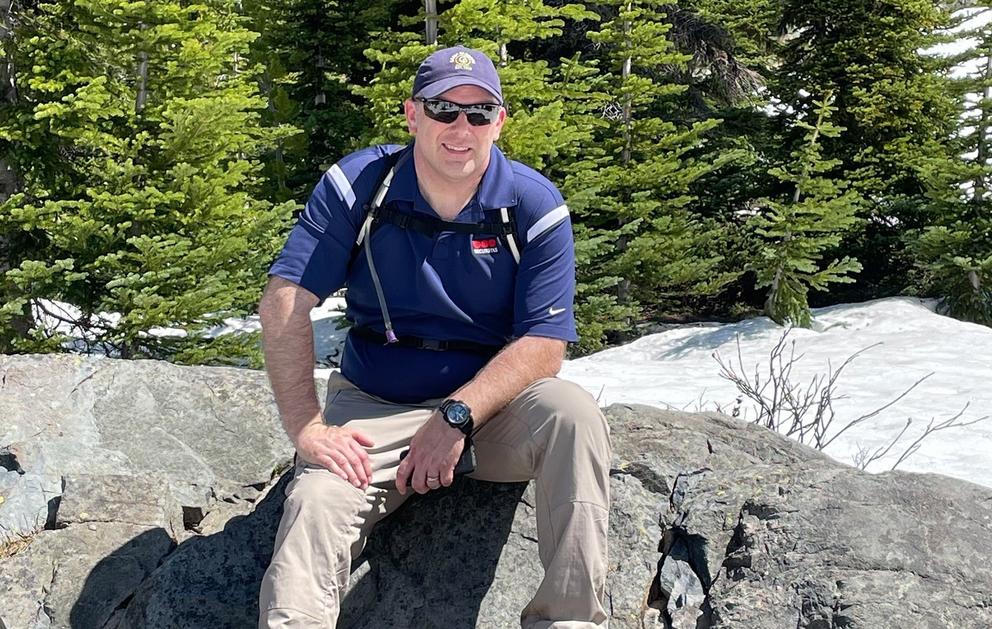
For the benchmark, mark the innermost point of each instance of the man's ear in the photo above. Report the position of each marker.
(499, 122)
(410, 110)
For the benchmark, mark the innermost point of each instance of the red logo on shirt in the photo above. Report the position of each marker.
(484, 245)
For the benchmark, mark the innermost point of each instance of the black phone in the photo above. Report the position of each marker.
(466, 462)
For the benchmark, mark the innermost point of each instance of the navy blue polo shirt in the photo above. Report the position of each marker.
(449, 286)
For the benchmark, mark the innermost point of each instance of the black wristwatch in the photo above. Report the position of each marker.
(457, 414)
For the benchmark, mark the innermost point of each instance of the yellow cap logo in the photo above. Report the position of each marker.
(462, 61)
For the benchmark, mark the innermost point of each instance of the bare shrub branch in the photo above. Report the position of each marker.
(932, 428)
(806, 413)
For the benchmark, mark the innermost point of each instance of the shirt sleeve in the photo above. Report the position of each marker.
(545, 288)
(318, 251)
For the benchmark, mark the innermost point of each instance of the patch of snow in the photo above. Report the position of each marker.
(676, 369)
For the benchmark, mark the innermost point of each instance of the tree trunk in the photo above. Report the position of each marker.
(142, 98)
(8, 94)
(430, 27)
(623, 288)
(982, 131)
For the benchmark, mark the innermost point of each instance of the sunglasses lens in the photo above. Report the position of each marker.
(447, 117)
(446, 112)
(481, 115)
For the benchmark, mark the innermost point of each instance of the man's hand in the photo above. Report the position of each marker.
(338, 449)
(434, 451)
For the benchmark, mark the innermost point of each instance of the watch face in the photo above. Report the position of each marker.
(457, 413)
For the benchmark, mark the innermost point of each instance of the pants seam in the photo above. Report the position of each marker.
(581, 502)
(295, 609)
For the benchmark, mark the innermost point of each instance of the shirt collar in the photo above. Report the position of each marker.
(495, 191)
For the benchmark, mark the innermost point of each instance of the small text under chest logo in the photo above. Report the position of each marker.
(482, 246)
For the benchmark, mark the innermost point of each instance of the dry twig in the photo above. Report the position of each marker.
(806, 413)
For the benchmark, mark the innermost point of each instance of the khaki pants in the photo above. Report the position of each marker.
(552, 432)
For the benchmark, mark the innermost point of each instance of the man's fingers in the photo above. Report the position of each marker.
(420, 479)
(364, 466)
(363, 458)
(448, 477)
(362, 438)
(402, 474)
(329, 463)
(345, 465)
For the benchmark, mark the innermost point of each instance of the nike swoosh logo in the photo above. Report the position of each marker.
(554, 311)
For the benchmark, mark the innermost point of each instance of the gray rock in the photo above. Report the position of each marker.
(206, 433)
(75, 577)
(680, 584)
(166, 517)
(121, 499)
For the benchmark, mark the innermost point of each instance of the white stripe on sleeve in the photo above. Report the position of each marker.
(547, 221)
(306, 219)
(342, 185)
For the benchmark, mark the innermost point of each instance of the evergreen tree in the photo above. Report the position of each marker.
(797, 232)
(312, 54)
(538, 130)
(954, 255)
(893, 99)
(135, 132)
(641, 251)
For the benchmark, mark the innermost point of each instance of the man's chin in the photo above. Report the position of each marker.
(460, 169)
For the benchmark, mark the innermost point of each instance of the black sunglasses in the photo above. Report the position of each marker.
(447, 112)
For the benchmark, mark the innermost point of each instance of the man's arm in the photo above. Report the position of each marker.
(436, 447)
(520, 364)
(287, 337)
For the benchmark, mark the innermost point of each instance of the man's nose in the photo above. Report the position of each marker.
(461, 120)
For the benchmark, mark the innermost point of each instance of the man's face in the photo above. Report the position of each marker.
(457, 151)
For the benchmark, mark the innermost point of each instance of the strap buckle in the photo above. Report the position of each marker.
(431, 344)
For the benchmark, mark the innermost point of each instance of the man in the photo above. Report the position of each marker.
(461, 316)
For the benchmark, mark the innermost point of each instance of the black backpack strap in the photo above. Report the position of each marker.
(368, 334)
(432, 225)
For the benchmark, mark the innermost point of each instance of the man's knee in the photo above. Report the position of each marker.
(321, 494)
(572, 413)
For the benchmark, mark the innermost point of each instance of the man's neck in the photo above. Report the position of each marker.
(447, 198)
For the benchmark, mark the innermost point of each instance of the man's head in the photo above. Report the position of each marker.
(454, 141)
(456, 66)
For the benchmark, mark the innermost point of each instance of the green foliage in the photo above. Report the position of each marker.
(798, 232)
(956, 262)
(642, 251)
(895, 103)
(953, 256)
(398, 54)
(311, 52)
(136, 135)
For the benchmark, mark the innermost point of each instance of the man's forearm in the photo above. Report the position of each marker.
(287, 337)
(516, 367)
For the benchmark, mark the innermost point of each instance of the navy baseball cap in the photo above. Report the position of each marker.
(456, 66)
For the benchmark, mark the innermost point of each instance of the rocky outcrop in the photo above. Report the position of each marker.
(141, 494)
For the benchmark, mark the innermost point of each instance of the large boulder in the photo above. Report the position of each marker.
(145, 495)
